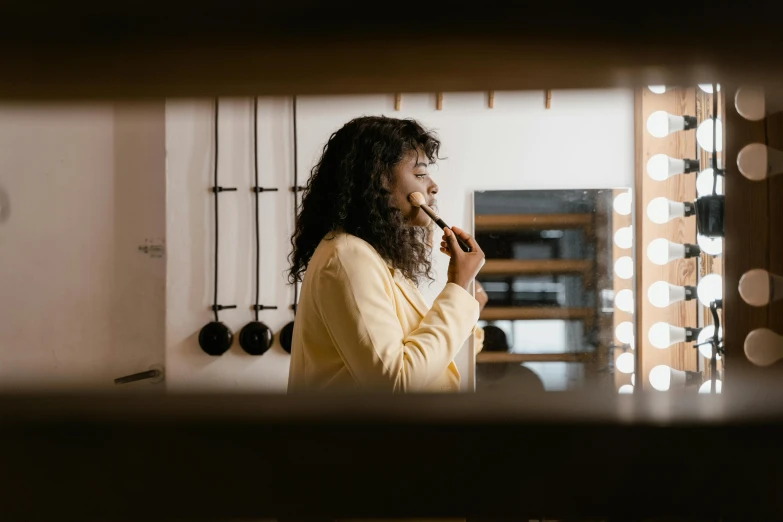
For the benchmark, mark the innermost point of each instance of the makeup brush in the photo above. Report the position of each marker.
(417, 200)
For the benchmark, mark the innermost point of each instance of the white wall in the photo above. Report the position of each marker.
(585, 140)
(81, 187)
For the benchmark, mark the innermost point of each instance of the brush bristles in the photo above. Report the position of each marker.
(417, 199)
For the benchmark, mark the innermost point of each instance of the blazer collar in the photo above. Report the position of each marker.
(411, 293)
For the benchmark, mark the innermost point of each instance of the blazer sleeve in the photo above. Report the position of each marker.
(356, 303)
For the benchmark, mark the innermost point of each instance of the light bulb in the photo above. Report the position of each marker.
(705, 336)
(661, 294)
(763, 347)
(625, 389)
(662, 210)
(623, 267)
(755, 103)
(660, 123)
(624, 332)
(657, 89)
(623, 238)
(622, 203)
(712, 246)
(633, 379)
(661, 251)
(704, 135)
(758, 287)
(662, 335)
(663, 377)
(661, 167)
(707, 87)
(704, 182)
(625, 362)
(710, 288)
(624, 300)
(757, 161)
(706, 387)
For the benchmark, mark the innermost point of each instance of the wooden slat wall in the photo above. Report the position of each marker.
(682, 230)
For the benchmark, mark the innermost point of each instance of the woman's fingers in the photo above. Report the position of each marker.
(467, 238)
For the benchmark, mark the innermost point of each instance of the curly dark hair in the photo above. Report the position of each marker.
(348, 190)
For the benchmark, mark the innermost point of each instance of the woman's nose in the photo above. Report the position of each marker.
(434, 188)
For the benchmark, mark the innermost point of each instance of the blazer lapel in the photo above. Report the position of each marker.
(411, 293)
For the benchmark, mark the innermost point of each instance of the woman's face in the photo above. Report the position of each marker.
(412, 175)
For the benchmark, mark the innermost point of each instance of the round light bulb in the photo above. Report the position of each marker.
(658, 167)
(661, 251)
(657, 89)
(704, 135)
(623, 238)
(623, 267)
(625, 389)
(705, 336)
(763, 347)
(633, 379)
(709, 289)
(705, 388)
(704, 182)
(624, 332)
(661, 210)
(712, 246)
(758, 287)
(707, 87)
(660, 124)
(662, 335)
(625, 362)
(624, 300)
(622, 203)
(661, 377)
(751, 103)
(661, 294)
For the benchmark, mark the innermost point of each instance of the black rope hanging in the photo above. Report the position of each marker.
(256, 337)
(287, 333)
(216, 338)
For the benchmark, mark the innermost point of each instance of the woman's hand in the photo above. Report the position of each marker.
(481, 295)
(463, 266)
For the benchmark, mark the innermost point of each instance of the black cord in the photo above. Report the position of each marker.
(296, 198)
(217, 228)
(255, 191)
(714, 139)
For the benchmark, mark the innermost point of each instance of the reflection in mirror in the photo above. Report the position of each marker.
(556, 262)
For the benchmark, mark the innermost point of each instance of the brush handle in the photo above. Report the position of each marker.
(442, 224)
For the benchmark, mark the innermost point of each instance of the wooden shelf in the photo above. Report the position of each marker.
(536, 266)
(511, 222)
(499, 313)
(500, 357)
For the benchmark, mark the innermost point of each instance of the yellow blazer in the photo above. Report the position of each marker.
(361, 324)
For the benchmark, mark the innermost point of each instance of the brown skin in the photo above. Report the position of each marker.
(411, 175)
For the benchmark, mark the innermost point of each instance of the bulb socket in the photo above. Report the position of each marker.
(691, 166)
(690, 292)
(691, 251)
(692, 334)
(690, 122)
(689, 208)
(694, 378)
(709, 215)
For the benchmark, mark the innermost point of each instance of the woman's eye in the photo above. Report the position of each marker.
(420, 175)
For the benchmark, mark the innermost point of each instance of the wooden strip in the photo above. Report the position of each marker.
(497, 313)
(498, 222)
(536, 266)
(491, 99)
(499, 357)
(397, 101)
(439, 101)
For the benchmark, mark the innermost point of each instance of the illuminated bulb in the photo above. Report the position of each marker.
(661, 294)
(660, 123)
(661, 251)
(662, 335)
(662, 210)
(709, 289)
(757, 161)
(622, 203)
(763, 347)
(704, 183)
(624, 332)
(707, 87)
(625, 389)
(624, 300)
(704, 135)
(707, 386)
(657, 89)
(661, 167)
(623, 238)
(623, 267)
(712, 246)
(624, 362)
(705, 336)
(758, 287)
(633, 379)
(754, 103)
(663, 378)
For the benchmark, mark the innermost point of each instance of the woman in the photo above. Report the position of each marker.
(360, 248)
